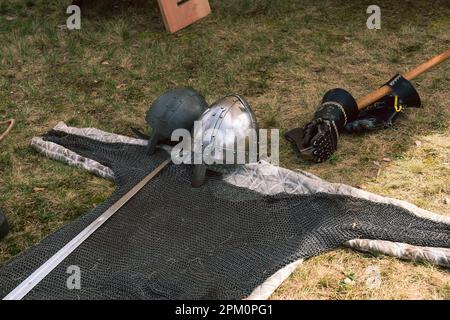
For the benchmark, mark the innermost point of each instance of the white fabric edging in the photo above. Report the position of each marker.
(268, 179)
(438, 256)
(55, 151)
(265, 290)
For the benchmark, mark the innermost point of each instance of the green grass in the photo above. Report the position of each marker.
(282, 56)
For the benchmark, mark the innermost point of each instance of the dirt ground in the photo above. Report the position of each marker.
(282, 56)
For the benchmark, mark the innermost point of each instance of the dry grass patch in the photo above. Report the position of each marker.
(343, 274)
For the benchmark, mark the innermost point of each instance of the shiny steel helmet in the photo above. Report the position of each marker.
(228, 131)
(175, 109)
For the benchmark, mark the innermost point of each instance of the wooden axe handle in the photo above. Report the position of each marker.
(417, 71)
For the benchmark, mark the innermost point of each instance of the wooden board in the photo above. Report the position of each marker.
(178, 14)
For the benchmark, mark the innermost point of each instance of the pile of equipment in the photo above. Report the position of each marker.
(180, 108)
(339, 111)
(177, 235)
(217, 241)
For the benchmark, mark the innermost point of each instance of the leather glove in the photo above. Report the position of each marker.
(381, 115)
(317, 141)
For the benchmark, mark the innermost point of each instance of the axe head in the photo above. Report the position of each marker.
(405, 91)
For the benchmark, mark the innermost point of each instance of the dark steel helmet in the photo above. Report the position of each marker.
(175, 109)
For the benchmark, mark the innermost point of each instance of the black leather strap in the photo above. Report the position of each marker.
(4, 227)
